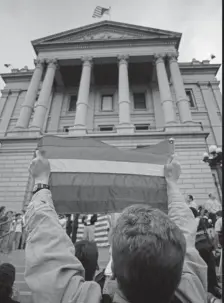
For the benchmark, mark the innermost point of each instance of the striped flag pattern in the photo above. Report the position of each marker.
(89, 176)
(100, 11)
(101, 232)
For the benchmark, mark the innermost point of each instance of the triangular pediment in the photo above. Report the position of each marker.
(106, 31)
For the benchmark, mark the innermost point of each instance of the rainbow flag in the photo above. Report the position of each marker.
(89, 176)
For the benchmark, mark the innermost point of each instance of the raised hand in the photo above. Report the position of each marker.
(172, 170)
(40, 169)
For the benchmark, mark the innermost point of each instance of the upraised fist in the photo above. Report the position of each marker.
(172, 170)
(40, 168)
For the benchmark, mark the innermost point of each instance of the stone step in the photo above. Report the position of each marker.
(25, 297)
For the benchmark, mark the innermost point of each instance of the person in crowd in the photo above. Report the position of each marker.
(89, 227)
(24, 232)
(6, 239)
(212, 206)
(87, 253)
(63, 221)
(191, 202)
(2, 220)
(153, 254)
(18, 230)
(7, 278)
(11, 245)
(219, 240)
(205, 245)
(68, 225)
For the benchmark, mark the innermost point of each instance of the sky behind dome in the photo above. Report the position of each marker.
(21, 21)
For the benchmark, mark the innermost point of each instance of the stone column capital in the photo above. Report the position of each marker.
(52, 63)
(159, 57)
(214, 84)
(123, 59)
(39, 62)
(172, 56)
(203, 84)
(87, 60)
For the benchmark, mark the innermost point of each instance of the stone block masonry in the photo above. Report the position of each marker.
(16, 155)
(15, 158)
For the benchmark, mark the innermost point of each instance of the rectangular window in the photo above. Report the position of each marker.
(190, 97)
(139, 101)
(107, 103)
(106, 128)
(140, 127)
(72, 103)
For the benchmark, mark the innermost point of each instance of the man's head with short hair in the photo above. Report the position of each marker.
(2, 210)
(212, 196)
(87, 253)
(190, 198)
(148, 252)
(7, 279)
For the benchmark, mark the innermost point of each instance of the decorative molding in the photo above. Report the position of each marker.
(52, 63)
(87, 61)
(203, 84)
(172, 56)
(39, 63)
(159, 57)
(123, 59)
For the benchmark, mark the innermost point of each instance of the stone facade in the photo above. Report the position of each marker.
(99, 60)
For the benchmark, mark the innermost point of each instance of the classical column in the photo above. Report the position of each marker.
(217, 94)
(83, 96)
(164, 90)
(182, 100)
(28, 104)
(215, 123)
(43, 101)
(8, 110)
(125, 125)
(3, 99)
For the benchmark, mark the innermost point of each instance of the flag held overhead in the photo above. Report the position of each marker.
(89, 176)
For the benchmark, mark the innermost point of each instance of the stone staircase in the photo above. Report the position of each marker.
(17, 258)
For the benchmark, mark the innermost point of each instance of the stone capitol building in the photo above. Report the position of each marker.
(118, 83)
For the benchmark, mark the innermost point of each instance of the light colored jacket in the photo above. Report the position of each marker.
(55, 275)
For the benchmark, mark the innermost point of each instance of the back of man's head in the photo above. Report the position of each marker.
(148, 252)
(87, 253)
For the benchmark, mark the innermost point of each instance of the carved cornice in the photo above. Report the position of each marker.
(214, 84)
(5, 93)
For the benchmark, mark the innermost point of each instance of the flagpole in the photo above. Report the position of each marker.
(109, 13)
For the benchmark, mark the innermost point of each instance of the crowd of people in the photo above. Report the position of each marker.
(12, 230)
(154, 257)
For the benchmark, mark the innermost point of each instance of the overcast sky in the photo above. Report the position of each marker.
(21, 21)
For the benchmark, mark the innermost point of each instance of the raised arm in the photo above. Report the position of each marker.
(193, 285)
(53, 273)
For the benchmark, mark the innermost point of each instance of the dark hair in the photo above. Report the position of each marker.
(7, 279)
(148, 251)
(2, 208)
(87, 253)
(195, 212)
(93, 219)
(219, 213)
(191, 197)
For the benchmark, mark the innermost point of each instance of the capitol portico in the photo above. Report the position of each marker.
(120, 83)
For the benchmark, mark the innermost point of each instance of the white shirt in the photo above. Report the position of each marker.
(218, 225)
(212, 206)
(63, 222)
(18, 226)
(193, 204)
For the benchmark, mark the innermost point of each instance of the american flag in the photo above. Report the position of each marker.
(100, 11)
(101, 230)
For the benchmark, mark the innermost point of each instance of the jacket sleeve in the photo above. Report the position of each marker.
(53, 273)
(193, 285)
